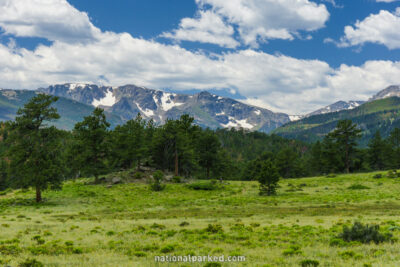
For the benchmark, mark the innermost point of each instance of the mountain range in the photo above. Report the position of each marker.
(209, 110)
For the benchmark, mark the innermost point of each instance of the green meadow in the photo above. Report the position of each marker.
(128, 224)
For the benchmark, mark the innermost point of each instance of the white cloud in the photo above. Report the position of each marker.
(256, 20)
(50, 19)
(387, 1)
(208, 27)
(381, 28)
(278, 82)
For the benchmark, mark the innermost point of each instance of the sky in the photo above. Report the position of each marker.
(291, 56)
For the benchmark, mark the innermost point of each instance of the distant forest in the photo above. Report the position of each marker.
(179, 147)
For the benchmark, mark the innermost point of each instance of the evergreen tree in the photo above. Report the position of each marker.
(345, 138)
(92, 143)
(287, 162)
(34, 147)
(130, 143)
(208, 147)
(268, 176)
(394, 141)
(330, 157)
(376, 152)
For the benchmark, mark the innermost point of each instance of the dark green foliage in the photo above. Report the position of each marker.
(157, 183)
(379, 154)
(208, 146)
(364, 234)
(92, 146)
(177, 179)
(35, 148)
(345, 139)
(203, 185)
(31, 263)
(214, 229)
(377, 176)
(129, 143)
(267, 175)
(309, 263)
(358, 187)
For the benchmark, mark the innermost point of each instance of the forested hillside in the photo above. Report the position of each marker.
(382, 115)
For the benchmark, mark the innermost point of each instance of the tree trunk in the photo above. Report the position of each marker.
(38, 194)
(96, 178)
(208, 172)
(176, 163)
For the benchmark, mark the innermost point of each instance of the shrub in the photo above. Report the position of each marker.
(214, 228)
(364, 234)
(268, 176)
(156, 184)
(183, 224)
(177, 179)
(138, 175)
(31, 263)
(392, 174)
(167, 249)
(358, 187)
(377, 176)
(292, 250)
(309, 263)
(331, 175)
(203, 185)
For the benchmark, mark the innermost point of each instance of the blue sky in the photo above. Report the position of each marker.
(290, 56)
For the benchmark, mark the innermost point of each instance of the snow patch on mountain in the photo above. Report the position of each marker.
(233, 123)
(295, 117)
(167, 102)
(108, 101)
(147, 112)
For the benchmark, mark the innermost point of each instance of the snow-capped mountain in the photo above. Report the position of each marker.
(335, 107)
(208, 110)
(393, 90)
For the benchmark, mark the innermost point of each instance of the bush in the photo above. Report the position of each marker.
(213, 264)
(364, 234)
(167, 249)
(177, 179)
(31, 263)
(203, 185)
(358, 187)
(292, 250)
(331, 175)
(377, 176)
(158, 178)
(138, 175)
(268, 176)
(393, 174)
(309, 263)
(214, 228)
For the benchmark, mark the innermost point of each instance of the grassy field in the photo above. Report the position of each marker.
(127, 224)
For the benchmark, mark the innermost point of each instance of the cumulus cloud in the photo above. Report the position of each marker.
(256, 20)
(208, 27)
(278, 82)
(50, 19)
(381, 28)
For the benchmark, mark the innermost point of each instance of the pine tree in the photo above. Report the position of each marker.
(130, 143)
(394, 140)
(268, 176)
(92, 141)
(345, 138)
(376, 152)
(208, 147)
(34, 147)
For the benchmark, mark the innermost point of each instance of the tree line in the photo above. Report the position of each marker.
(35, 154)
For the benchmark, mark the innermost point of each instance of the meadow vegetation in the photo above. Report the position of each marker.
(309, 222)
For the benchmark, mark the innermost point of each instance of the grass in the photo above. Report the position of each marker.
(127, 224)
